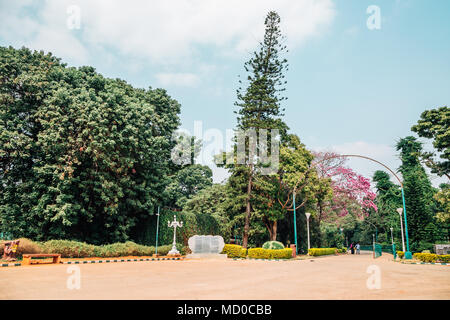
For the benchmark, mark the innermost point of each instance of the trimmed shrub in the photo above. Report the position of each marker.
(444, 258)
(69, 249)
(75, 249)
(164, 250)
(400, 254)
(285, 253)
(234, 251)
(261, 253)
(426, 257)
(322, 251)
(276, 245)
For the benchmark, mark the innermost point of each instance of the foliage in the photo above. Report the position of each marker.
(234, 251)
(388, 200)
(261, 253)
(331, 235)
(186, 183)
(206, 213)
(435, 124)
(349, 189)
(285, 253)
(274, 194)
(418, 194)
(322, 251)
(260, 102)
(443, 199)
(273, 245)
(400, 254)
(75, 249)
(82, 157)
(426, 257)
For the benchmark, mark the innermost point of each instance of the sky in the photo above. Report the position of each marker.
(357, 81)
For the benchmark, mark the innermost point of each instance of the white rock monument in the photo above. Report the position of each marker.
(206, 247)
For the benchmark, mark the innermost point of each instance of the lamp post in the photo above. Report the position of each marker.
(373, 245)
(157, 227)
(408, 254)
(400, 211)
(174, 224)
(392, 236)
(295, 224)
(376, 231)
(342, 232)
(394, 253)
(307, 227)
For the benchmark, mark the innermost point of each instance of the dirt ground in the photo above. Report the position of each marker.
(331, 277)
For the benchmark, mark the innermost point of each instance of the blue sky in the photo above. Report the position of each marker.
(350, 89)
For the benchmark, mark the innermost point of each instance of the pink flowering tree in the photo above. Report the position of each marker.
(350, 190)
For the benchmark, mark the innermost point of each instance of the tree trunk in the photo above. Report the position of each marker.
(273, 232)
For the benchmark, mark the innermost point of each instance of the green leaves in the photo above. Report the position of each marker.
(81, 156)
(435, 124)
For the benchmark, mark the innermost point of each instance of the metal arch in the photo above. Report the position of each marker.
(364, 157)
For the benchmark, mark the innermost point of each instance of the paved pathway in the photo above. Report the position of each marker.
(331, 277)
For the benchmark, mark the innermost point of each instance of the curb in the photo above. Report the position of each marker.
(11, 265)
(432, 263)
(262, 259)
(118, 260)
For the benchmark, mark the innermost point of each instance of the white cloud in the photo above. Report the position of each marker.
(166, 32)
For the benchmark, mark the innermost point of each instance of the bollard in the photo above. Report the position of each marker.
(293, 250)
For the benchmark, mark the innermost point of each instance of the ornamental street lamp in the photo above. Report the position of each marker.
(174, 224)
(400, 211)
(307, 227)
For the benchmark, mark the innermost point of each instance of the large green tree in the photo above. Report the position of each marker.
(435, 124)
(186, 183)
(420, 204)
(260, 101)
(388, 200)
(82, 156)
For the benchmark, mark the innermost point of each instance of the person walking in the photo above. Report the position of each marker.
(357, 248)
(352, 248)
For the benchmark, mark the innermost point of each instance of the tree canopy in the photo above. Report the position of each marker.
(82, 156)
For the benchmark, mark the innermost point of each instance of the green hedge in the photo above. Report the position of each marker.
(261, 253)
(234, 251)
(273, 245)
(431, 257)
(400, 254)
(322, 251)
(75, 249)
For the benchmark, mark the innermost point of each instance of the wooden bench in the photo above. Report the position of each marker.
(27, 257)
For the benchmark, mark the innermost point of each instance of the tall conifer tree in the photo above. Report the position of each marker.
(260, 102)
